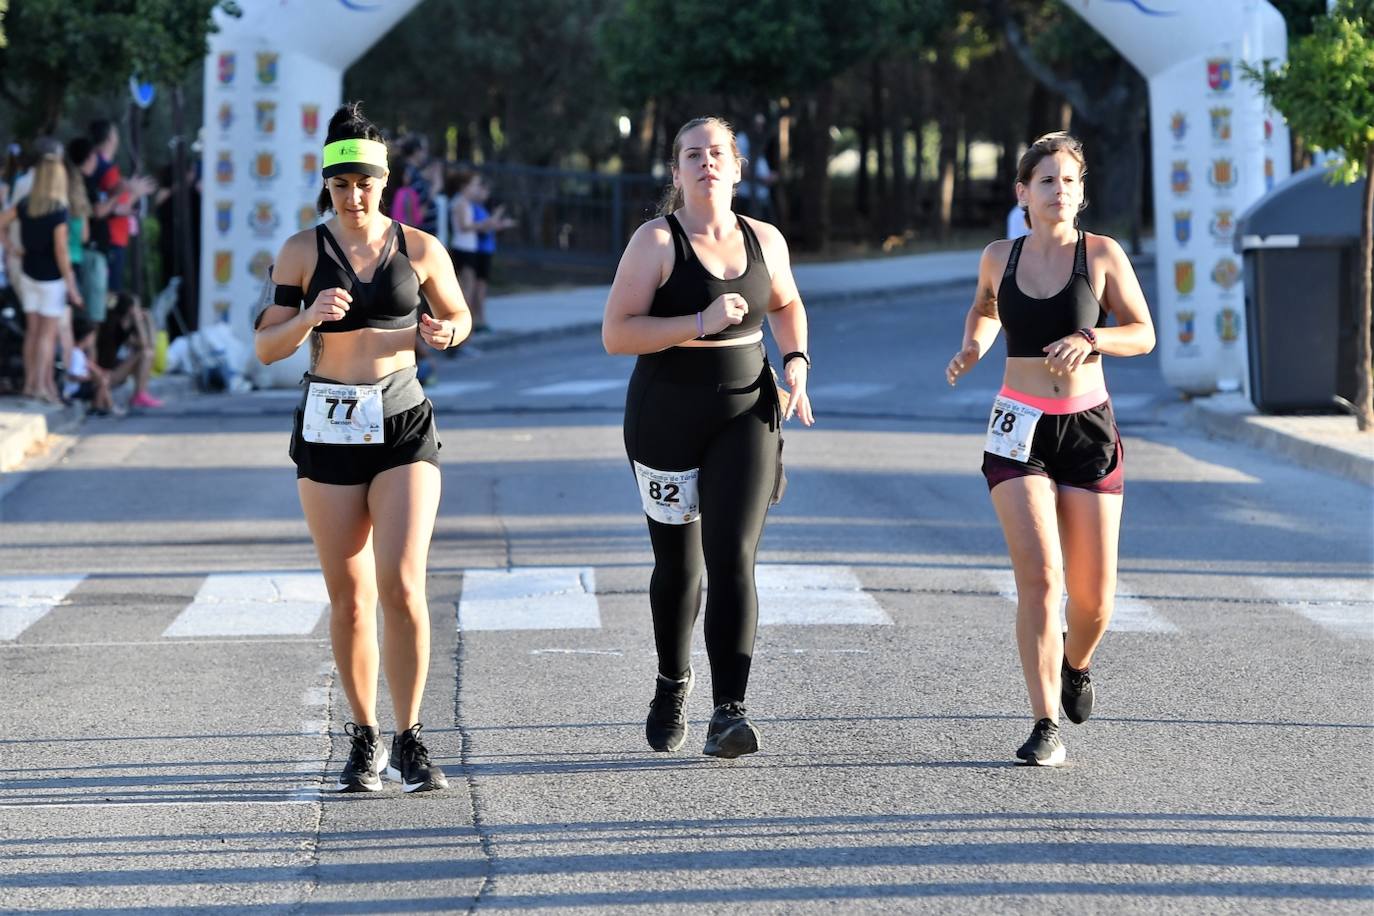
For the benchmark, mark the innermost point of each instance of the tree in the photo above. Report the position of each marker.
(769, 49)
(1326, 92)
(57, 48)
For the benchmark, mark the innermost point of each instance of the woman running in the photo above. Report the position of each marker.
(703, 419)
(1053, 458)
(364, 441)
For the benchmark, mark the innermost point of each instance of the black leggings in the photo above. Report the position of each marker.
(715, 409)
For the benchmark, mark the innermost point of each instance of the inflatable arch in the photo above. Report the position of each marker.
(274, 76)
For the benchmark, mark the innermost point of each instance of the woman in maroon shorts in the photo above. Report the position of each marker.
(1052, 456)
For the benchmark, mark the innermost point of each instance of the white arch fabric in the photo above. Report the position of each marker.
(1216, 149)
(273, 78)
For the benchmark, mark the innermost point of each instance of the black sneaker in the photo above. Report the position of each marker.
(1075, 693)
(666, 727)
(1043, 748)
(364, 760)
(410, 764)
(730, 734)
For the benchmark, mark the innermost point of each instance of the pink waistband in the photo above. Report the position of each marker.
(1076, 404)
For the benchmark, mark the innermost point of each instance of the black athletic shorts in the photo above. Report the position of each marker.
(1081, 450)
(411, 436)
(478, 261)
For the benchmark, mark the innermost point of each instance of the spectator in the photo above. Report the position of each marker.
(416, 175)
(754, 195)
(46, 280)
(85, 381)
(113, 200)
(474, 241)
(124, 348)
(93, 270)
(164, 204)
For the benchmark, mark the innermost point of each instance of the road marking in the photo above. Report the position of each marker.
(190, 802)
(1130, 614)
(457, 389)
(813, 595)
(585, 386)
(24, 600)
(1344, 607)
(254, 604)
(529, 598)
(847, 391)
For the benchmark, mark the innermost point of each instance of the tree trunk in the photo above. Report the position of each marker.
(861, 193)
(949, 152)
(1364, 391)
(815, 189)
(880, 130)
(898, 220)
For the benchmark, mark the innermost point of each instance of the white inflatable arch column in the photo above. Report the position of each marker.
(273, 78)
(1216, 149)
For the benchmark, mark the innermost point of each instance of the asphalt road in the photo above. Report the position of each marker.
(171, 712)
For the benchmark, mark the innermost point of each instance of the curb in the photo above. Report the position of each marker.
(26, 432)
(1354, 463)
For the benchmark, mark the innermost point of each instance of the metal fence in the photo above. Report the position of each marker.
(574, 219)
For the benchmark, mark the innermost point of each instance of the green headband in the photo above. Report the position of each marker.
(367, 157)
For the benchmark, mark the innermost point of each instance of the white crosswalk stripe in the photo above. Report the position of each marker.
(254, 604)
(814, 595)
(530, 598)
(1342, 606)
(582, 386)
(456, 389)
(1130, 615)
(847, 391)
(24, 600)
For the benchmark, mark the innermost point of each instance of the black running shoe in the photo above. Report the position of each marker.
(730, 734)
(364, 760)
(410, 764)
(666, 727)
(1076, 693)
(1043, 748)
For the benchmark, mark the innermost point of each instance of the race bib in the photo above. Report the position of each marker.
(343, 415)
(1011, 429)
(669, 497)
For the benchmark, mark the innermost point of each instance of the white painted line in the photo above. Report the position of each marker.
(1342, 606)
(585, 386)
(254, 604)
(457, 389)
(1130, 614)
(314, 727)
(530, 598)
(813, 595)
(159, 804)
(315, 696)
(24, 600)
(847, 391)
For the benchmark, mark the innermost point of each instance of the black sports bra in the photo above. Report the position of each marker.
(1032, 324)
(391, 299)
(691, 287)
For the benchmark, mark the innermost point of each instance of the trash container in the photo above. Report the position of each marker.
(1299, 247)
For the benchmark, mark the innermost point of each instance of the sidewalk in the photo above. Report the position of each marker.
(1328, 443)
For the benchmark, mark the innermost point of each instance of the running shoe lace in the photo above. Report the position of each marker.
(667, 704)
(732, 709)
(360, 753)
(415, 749)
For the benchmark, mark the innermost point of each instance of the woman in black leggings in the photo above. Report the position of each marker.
(703, 419)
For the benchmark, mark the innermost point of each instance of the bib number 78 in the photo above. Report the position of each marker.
(1011, 428)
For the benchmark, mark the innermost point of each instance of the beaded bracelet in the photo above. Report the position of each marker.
(1089, 335)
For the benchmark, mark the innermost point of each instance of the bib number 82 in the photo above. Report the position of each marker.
(665, 492)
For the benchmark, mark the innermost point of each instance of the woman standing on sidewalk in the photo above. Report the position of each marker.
(703, 419)
(46, 281)
(1052, 457)
(364, 440)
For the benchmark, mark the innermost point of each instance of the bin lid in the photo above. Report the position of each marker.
(1303, 211)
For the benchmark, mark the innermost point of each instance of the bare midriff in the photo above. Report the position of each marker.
(753, 338)
(1031, 375)
(364, 356)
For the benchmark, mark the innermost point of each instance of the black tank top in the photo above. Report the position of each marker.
(391, 299)
(1032, 324)
(691, 287)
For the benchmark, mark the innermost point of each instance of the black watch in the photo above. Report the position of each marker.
(793, 355)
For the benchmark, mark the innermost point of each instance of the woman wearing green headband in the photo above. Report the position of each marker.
(364, 440)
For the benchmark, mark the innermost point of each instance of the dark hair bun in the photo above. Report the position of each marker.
(348, 123)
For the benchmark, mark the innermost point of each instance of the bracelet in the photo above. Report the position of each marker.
(1089, 335)
(793, 355)
(701, 329)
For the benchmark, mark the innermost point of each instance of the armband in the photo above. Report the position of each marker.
(289, 296)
